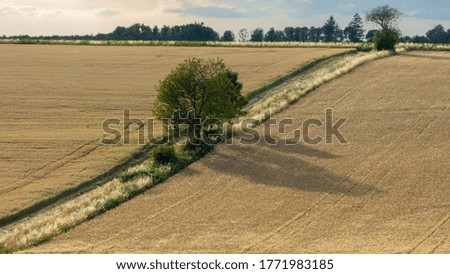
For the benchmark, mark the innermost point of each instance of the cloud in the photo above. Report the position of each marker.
(208, 11)
(346, 6)
(107, 12)
(10, 9)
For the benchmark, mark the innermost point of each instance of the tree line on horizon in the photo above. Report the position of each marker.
(329, 32)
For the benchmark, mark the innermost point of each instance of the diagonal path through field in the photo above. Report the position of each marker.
(387, 191)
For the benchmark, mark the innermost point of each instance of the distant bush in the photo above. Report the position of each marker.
(386, 39)
(163, 155)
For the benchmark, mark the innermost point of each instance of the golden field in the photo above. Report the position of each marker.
(387, 191)
(54, 99)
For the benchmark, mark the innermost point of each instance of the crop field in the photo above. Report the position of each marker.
(54, 99)
(386, 191)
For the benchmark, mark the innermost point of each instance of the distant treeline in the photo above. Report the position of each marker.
(329, 32)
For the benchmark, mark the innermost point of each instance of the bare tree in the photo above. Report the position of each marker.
(243, 35)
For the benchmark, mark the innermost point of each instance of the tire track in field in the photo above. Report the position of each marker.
(384, 162)
(444, 241)
(429, 234)
(49, 168)
(205, 193)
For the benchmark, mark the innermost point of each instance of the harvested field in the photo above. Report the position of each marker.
(387, 191)
(54, 98)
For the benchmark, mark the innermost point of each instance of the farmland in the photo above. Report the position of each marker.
(387, 191)
(54, 99)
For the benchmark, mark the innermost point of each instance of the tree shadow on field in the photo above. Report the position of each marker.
(417, 55)
(284, 166)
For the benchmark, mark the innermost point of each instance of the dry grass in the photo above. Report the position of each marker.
(62, 217)
(191, 43)
(54, 99)
(385, 192)
(428, 47)
(297, 86)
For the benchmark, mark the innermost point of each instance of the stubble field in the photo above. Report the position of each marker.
(387, 191)
(54, 99)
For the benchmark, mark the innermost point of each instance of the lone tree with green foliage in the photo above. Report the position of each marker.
(199, 95)
(387, 18)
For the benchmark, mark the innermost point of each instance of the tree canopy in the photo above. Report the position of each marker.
(257, 35)
(355, 29)
(228, 36)
(385, 16)
(331, 30)
(438, 35)
(199, 94)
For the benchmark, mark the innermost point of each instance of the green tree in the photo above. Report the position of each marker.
(314, 34)
(420, 39)
(199, 94)
(385, 16)
(290, 34)
(257, 35)
(156, 34)
(438, 35)
(331, 30)
(228, 36)
(386, 39)
(355, 29)
(370, 34)
(165, 33)
(270, 35)
(301, 34)
(119, 33)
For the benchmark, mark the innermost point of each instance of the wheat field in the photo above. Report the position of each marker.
(387, 191)
(54, 99)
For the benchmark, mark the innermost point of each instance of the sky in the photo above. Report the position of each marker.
(66, 17)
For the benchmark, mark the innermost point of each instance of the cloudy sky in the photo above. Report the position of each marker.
(48, 17)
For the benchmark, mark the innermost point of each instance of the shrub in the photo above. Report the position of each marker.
(197, 150)
(386, 39)
(164, 154)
